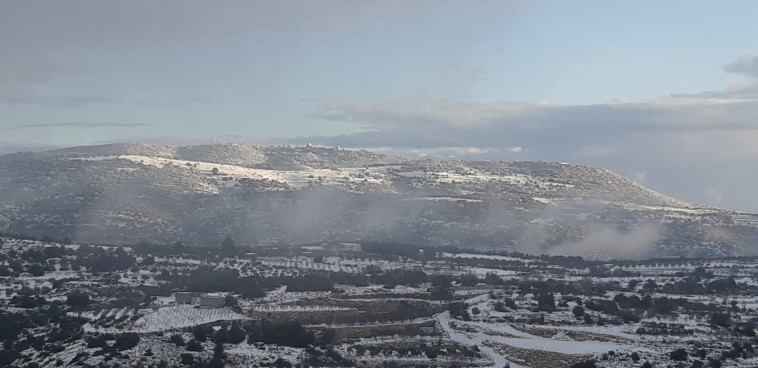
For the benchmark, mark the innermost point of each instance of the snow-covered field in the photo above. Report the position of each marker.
(402, 320)
(172, 317)
(228, 175)
(266, 354)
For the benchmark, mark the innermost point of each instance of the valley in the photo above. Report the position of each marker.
(370, 305)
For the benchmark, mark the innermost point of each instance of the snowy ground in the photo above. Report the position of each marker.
(173, 317)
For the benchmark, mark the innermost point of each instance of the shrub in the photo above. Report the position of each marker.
(431, 353)
(585, 364)
(126, 341)
(499, 307)
(546, 302)
(177, 340)
(201, 333)
(236, 334)
(187, 359)
(678, 355)
(578, 311)
(193, 345)
(77, 299)
(721, 319)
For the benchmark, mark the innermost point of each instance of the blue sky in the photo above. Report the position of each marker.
(661, 91)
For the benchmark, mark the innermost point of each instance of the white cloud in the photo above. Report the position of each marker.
(420, 110)
(35, 35)
(678, 144)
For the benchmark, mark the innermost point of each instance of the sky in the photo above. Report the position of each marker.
(663, 92)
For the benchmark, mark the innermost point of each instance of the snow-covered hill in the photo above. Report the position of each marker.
(280, 158)
(127, 193)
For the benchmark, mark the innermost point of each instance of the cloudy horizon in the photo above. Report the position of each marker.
(663, 93)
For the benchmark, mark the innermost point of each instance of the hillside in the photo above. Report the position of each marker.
(129, 193)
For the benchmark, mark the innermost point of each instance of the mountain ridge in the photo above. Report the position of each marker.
(127, 193)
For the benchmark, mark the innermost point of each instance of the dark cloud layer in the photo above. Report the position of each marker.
(36, 33)
(437, 122)
(35, 30)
